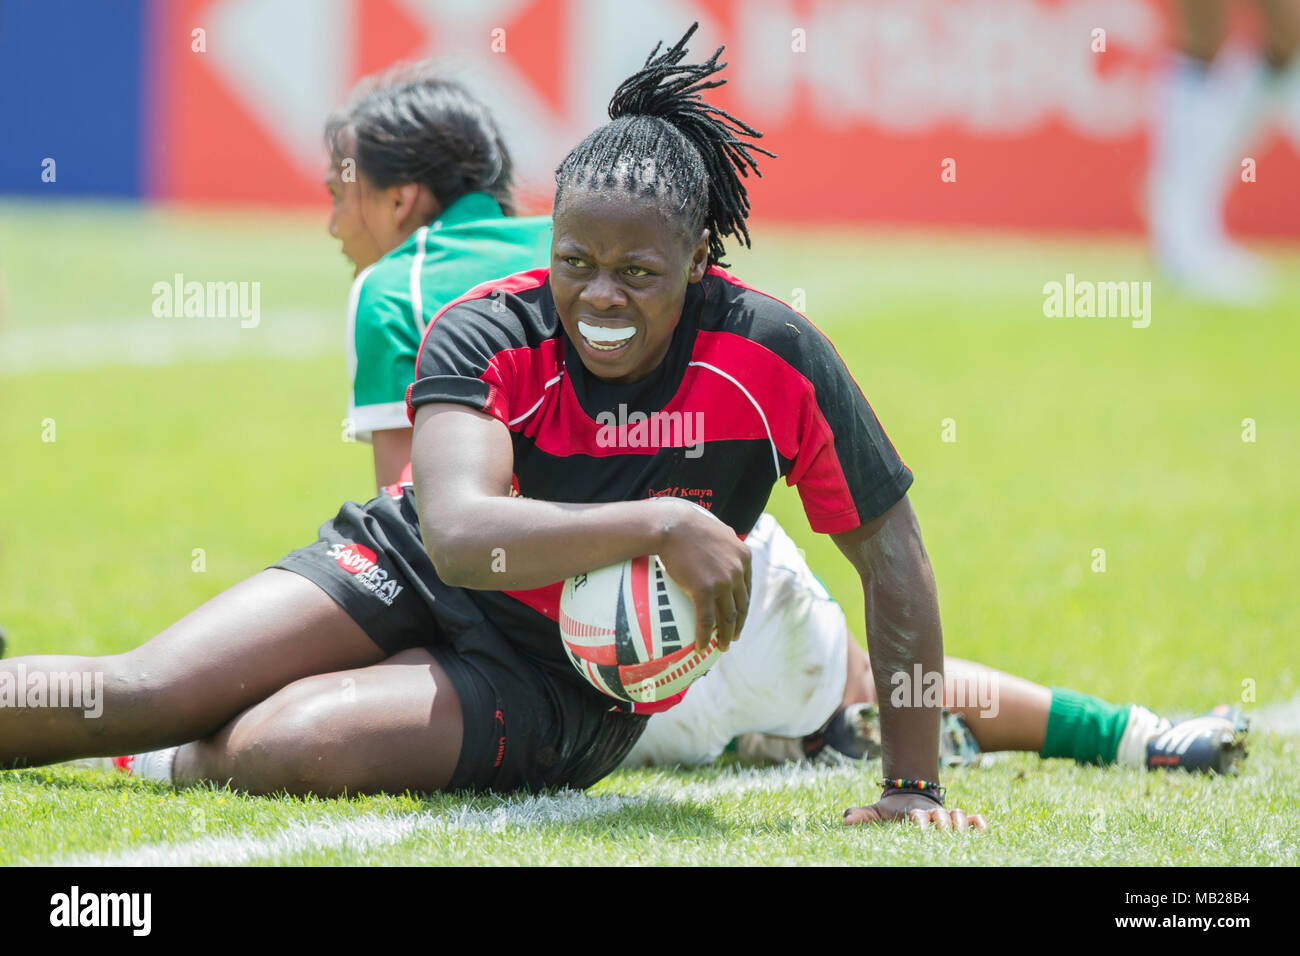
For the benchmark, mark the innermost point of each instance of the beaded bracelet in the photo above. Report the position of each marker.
(923, 787)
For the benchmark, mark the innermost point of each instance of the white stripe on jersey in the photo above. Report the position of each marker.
(516, 421)
(776, 461)
(354, 299)
(417, 298)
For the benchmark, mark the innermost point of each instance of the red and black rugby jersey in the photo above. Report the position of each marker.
(749, 392)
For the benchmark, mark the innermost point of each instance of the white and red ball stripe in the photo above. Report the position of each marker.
(629, 630)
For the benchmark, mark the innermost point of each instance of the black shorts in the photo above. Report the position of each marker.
(525, 728)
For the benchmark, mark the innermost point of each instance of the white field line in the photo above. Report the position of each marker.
(163, 342)
(388, 830)
(361, 834)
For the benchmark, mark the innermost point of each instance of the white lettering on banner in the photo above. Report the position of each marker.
(911, 66)
(1000, 67)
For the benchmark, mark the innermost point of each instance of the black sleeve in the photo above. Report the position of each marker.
(837, 453)
(466, 358)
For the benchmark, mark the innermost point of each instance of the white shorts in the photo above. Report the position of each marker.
(785, 676)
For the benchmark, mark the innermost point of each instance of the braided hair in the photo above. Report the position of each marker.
(665, 142)
(409, 125)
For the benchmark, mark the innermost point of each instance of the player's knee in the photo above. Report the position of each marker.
(288, 747)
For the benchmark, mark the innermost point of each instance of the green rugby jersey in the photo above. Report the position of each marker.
(393, 300)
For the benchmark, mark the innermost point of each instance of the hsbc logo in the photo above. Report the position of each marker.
(360, 561)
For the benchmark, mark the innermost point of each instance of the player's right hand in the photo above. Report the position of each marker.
(918, 810)
(706, 559)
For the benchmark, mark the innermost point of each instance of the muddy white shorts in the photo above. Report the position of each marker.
(785, 676)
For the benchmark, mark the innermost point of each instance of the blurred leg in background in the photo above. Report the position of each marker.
(1215, 99)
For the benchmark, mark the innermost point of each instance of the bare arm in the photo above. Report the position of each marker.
(462, 462)
(903, 631)
(392, 452)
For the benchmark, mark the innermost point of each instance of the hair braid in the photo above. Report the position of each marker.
(665, 141)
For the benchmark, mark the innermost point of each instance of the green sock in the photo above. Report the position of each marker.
(1083, 727)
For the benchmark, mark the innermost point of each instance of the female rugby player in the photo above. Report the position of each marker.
(421, 187)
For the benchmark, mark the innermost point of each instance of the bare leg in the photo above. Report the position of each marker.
(1018, 721)
(390, 727)
(1200, 26)
(858, 686)
(1281, 30)
(233, 652)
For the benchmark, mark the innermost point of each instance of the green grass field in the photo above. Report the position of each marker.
(1071, 435)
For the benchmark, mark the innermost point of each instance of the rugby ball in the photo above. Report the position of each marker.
(630, 631)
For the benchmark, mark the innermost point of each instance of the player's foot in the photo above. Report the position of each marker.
(1212, 743)
(957, 745)
(1216, 270)
(107, 764)
(153, 765)
(757, 750)
(854, 732)
(124, 764)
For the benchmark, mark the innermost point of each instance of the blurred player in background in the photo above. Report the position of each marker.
(420, 179)
(1211, 109)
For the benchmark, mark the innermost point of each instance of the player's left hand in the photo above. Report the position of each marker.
(916, 809)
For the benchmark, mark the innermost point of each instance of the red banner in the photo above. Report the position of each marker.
(868, 104)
